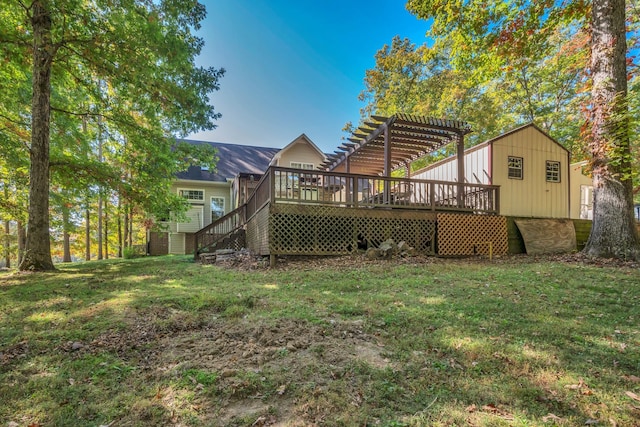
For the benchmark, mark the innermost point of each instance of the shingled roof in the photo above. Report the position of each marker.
(232, 160)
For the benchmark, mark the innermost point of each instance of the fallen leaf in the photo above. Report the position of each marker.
(591, 422)
(490, 408)
(575, 386)
(471, 408)
(71, 381)
(551, 417)
(631, 378)
(282, 389)
(632, 395)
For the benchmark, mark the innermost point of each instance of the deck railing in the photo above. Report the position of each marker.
(285, 185)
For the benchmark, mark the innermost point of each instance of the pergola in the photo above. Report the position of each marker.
(384, 144)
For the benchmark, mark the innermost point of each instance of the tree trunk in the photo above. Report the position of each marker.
(38, 250)
(22, 241)
(66, 250)
(99, 191)
(613, 232)
(7, 244)
(119, 225)
(106, 231)
(87, 235)
(7, 231)
(126, 226)
(99, 223)
(130, 225)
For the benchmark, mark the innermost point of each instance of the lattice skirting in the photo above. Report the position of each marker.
(326, 230)
(257, 237)
(460, 234)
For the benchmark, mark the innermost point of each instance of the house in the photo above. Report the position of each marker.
(529, 166)
(297, 201)
(214, 193)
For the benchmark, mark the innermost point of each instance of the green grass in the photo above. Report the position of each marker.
(164, 341)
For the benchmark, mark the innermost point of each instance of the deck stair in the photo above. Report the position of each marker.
(227, 232)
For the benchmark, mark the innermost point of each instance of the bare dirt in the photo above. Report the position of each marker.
(256, 365)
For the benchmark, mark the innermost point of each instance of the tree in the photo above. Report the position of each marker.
(613, 233)
(487, 35)
(143, 54)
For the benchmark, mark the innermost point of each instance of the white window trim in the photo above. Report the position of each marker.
(192, 189)
(521, 168)
(557, 173)
(302, 165)
(211, 206)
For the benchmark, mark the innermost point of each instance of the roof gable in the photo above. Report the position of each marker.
(491, 142)
(519, 129)
(302, 138)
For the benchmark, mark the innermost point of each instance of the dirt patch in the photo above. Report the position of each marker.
(259, 368)
(359, 260)
(304, 263)
(259, 365)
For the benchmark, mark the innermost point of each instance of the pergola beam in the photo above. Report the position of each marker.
(394, 142)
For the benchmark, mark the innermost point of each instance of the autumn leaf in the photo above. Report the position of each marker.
(632, 395)
(552, 417)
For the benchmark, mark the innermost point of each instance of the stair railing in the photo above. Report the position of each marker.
(219, 229)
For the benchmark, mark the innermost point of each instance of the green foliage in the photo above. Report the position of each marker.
(123, 77)
(129, 253)
(545, 88)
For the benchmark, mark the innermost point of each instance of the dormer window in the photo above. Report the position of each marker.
(300, 165)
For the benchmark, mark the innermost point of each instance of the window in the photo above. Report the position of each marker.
(553, 171)
(192, 195)
(515, 167)
(217, 208)
(299, 165)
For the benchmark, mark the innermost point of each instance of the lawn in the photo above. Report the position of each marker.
(424, 341)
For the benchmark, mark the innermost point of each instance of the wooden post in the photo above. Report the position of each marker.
(460, 161)
(354, 191)
(272, 260)
(387, 164)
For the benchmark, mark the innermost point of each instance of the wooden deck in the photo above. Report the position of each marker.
(300, 212)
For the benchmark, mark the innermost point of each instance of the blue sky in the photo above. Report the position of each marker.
(295, 67)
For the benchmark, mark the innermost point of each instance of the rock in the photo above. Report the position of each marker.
(372, 254)
(76, 346)
(388, 248)
(228, 373)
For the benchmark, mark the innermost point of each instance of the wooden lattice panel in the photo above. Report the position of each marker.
(326, 230)
(460, 234)
(257, 237)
